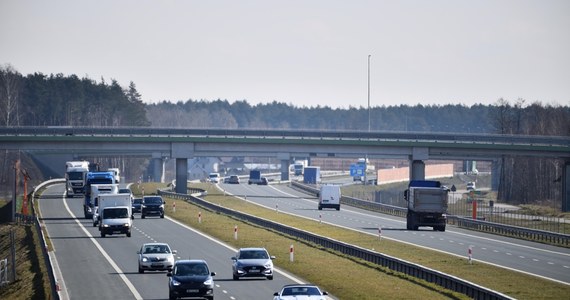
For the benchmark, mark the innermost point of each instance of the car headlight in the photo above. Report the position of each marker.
(175, 282)
(162, 206)
(210, 281)
(143, 206)
(268, 265)
(170, 258)
(126, 225)
(105, 225)
(144, 259)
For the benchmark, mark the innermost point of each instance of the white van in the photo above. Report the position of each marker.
(214, 177)
(329, 197)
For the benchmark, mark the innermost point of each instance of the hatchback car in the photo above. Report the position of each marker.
(300, 291)
(155, 257)
(152, 206)
(190, 278)
(252, 262)
(233, 179)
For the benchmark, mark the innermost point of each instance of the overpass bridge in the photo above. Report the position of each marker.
(183, 144)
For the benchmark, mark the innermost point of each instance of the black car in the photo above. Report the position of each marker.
(190, 278)
(152, 206)
(137, 205)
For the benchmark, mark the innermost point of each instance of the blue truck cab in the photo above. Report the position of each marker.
(91, 179)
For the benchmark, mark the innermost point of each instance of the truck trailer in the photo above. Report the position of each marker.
(427, 205)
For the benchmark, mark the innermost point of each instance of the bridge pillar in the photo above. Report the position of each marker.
(157, 167)
(566, 187)
(284, 158)
(181, 175)
(417, 170)
(417, 165)
(496, 170)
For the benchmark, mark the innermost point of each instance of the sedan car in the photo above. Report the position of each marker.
(233, 179)
(299, 292)
(252, 262)
(155, 257)
(190, 278)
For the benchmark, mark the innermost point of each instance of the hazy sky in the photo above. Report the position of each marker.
(305, 53)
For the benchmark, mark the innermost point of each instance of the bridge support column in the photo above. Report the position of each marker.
(181, 175)
(284, 158)
(566, 187)
(496, 170)
(417, 165)
(157, 167)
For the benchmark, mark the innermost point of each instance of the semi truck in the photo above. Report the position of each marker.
(427, 204)
(75, 172)
(94, 178)
(365, 165)
(115, 214)
(299, 167)
(329, 197)
(117, 173)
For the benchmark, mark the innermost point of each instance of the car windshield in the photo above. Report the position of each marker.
(154, 200)
(124, 191)
(116, 213)
(137, 201)
(292, 291)
(156, 249)
(198, 269)
(253, 254)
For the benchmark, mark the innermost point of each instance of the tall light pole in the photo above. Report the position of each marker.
(369, 92)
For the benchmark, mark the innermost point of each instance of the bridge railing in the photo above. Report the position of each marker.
(444, 280)
(542, 236)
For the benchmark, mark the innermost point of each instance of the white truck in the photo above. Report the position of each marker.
(329, 197)
(117, 173)
(101, 189)
(115, 214)
(75, 172)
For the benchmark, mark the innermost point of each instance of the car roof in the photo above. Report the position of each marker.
(252, 248)
(155, 244)
(190, 261)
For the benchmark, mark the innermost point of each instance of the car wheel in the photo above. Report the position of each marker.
(102, 234)
(129, 234)
(141, 270)
(210, 298)
(171, 296)
(162, 216)
(235, 277)
(94, 224)
(142, 216)
(270, 277)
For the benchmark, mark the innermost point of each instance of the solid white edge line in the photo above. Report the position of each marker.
(107, 257)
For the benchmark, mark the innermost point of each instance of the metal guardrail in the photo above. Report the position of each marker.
(542, 236)
(444, 280)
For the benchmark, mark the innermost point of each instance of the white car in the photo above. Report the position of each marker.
(252, 262)
(300, 292)
(155, 257)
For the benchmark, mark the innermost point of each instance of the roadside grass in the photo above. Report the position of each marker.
(512, 283)
(32, 281)
(342, 276)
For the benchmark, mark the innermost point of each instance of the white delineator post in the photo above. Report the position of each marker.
(199, 217)
(291, 254)
(235, 232)
(173, 207)
(320, 218)
(379, 232)
(470, 254)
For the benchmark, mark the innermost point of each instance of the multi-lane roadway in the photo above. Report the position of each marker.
(90, 267)
(533, 258)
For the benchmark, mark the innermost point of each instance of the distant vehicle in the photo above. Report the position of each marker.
(427, 205)
(312, 175)
(75, 173)
(254, 177)
(329, 197)
(233, 179)
(263, 181)
(299, 166)
(152, 206)
(190, 278)
(117, 173)
(471, 186)
(365, 165)
(252, 262)
(127, 191)
(299, 292)
(137, 205)
(155, 257)
(214, 177)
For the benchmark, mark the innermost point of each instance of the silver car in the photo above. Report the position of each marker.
(155, 257)
(252, 262)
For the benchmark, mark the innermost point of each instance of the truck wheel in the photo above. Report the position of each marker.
(320, 208)
(338, 207)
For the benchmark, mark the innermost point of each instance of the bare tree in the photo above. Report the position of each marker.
(10, 85)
